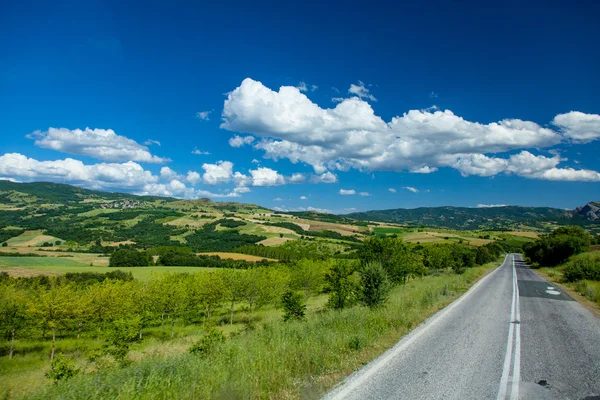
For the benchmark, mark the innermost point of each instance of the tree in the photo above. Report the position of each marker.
(52, 307)
(170, 296)
(129, 258)
(375, 286)
(309, 276)
(343, 284)
(293, 306)
(396, 257)
(13, 313)
(234, 289)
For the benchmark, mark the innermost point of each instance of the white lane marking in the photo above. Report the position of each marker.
(509, 344)
(355, 380)
(514, 335)
(553, 292)
(550, 288)
(517, 359)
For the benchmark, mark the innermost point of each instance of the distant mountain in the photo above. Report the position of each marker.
(590, 212)
(484, 218)
(48, 192)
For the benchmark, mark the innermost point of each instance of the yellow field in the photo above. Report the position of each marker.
(433, 237)
(235, 256)
(274, 241)
(532, 235)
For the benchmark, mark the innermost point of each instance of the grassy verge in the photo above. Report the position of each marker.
(277, 360)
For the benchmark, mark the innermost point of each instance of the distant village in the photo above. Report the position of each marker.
(123, 204)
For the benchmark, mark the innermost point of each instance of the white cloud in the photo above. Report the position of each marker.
(337, 99)
(433, 95)
(200, 152)
(129, 175)
(578, 126)
(424, 170)
(350, 135)
(361, 91)
(302, 87)
(392, 190)
(411, 189)
(326, 177)
(297, 178)
(238, 141)
(255, 161)
(491, 205)
(266, 177)
(150, 142)
(277, 199)
(364, 194)
(349, 192)
(167, 173)
(303, 198)
(103, 144)
(204, 115)
(193, 177)
(218, 173)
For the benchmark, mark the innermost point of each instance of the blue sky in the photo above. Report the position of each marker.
(453, 103)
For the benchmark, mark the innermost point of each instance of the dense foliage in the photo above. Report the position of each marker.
(583, 266)
(129, 258)
(555, 248)
(208, 239)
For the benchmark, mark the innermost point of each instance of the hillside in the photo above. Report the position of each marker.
(483, 218)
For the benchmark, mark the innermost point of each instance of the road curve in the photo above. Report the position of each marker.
(513, 335)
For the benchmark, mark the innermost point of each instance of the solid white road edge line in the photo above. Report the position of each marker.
(357, 378)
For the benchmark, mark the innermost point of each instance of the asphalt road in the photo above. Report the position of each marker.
(513, 335)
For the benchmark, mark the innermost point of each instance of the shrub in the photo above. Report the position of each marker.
(584, 266)
(4, 244)
(343, 285)
(293, 306)
(375, 286)
(208, 342)
(61, 369)
(129, 258)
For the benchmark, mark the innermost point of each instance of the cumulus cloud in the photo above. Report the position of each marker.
(103, 144)
(204, 115)
(167, 173)
(351, 135)
(348, 192)
(128, 175)
(303, 198)
(392, 190)
(238, 141)
(193, 177)
(297, 178)
(361, 91)
(200, 152)
(150, 142)
(364, 194)
(218, 173)
(277, 199)
(411, 189)
(326, 177)
(578, 126)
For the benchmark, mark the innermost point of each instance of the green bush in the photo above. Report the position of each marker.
(207, 343)
(375, 286)
(583, 266)
(293, 305)
(129, 258)
(61, 369)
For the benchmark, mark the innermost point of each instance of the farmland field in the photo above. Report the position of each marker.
(29, 266)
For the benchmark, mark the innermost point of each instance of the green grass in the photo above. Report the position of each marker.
(386, 231)
(64, 265)
(277, 360)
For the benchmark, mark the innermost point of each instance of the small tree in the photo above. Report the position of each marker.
(375, 286)
(342, 285)
(293, 306)
(61, 368)
(120, 335)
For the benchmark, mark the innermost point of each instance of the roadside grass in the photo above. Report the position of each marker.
(589, 290)
(274, 359)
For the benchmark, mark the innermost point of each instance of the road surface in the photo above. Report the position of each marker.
(513, 335)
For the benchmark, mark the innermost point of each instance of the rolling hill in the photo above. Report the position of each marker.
(485, 217)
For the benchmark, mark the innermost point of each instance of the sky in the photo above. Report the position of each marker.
(327, 106)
